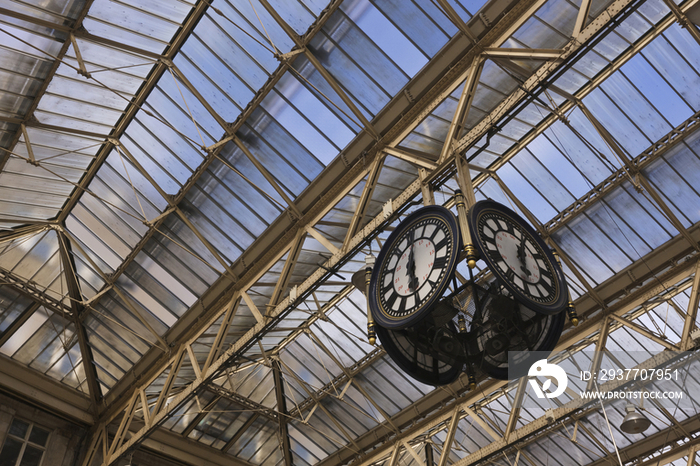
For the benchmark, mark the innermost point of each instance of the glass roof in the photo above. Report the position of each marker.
(159, 157)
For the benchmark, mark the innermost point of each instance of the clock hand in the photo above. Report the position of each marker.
(521, 257)
(411, 266)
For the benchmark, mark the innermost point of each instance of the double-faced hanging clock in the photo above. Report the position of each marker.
(414, 267)
(518, 257)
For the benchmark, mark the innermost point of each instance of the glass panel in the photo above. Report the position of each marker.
(32, 456)
(19, 428)
(10, 452)
(39, 436)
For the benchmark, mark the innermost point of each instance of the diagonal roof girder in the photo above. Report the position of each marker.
(587, 30)
(651, 154)
(431, 99)
(322, 195)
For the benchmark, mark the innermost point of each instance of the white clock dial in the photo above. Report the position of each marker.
(414, 267)
(517, 256)
(416, 264)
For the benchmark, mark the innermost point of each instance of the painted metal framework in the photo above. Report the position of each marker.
(604, 308)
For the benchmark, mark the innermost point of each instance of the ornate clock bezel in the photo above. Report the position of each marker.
(378, 312)
(561, 296)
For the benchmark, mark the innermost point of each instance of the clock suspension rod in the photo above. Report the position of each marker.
(469, 249)
(371, 333)
(465, 199)
(570, 309)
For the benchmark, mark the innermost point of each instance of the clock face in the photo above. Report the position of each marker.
(504, 331)
(415, 352)
(518, 257)
(414, 267)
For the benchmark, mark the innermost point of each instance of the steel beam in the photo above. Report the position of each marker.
(599, 350)
(27, 229)
(693, 304)
(463, 106)
(523, 54)
(451, 431)
(426, 161)
(250, 405)
(453, 16)
(282, 409)
(288, 269)
(365, 198)
(429, 461)
(36, 292)
(582, 17)
(515, 408)
(322, 194)
(88, 361)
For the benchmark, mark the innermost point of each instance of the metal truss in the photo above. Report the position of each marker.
(275, 242)
(656, 150)
(119, 446)
(467, 403)
(76, 299)
(225, 303)
(36, 292)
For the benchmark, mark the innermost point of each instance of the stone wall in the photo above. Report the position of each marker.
(65, 439)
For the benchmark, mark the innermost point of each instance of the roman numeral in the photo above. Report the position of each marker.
(442, 244)
(548, 288)
(391, 300)
(402, 306)
(495, 255)
(385, 288)
(486, 239)
(440, 262)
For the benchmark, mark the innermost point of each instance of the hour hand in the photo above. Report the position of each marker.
(521, 257)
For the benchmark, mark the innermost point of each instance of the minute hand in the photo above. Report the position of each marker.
(412, 266)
